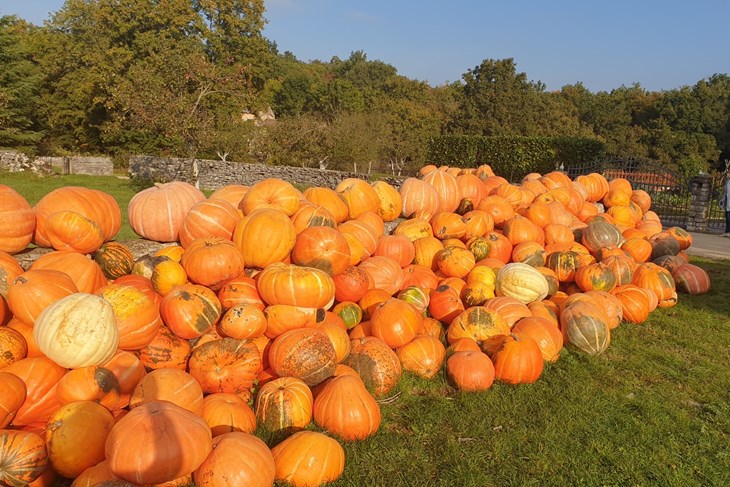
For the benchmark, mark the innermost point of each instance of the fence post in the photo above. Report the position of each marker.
(699, 207)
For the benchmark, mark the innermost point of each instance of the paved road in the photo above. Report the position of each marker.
(711, 246)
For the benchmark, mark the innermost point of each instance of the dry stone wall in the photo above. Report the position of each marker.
(209, 174)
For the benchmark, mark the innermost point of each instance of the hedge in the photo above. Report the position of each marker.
(514, 156)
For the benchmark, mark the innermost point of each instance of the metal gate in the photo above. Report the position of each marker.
(669, 191)
(715, 214)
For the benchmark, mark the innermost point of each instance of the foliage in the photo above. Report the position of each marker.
(180, 77)
(514, 156)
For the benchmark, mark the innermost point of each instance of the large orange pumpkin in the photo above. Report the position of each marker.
(265, 225)
(518, 360)
(158, 213)
(284, 405)
(308, 458)
(17, 221)
(209, 218)
(228, 413)
(396, 322)
(470, 370)
(169, 385)
(41, 376)
(14, 392)
(237, 458)
(226, 365)
(271, 193)
(190, 310)
(290, 284)
(323, 248)
(376, 363)
(420, 199)
(31, 292)
(211, 261)
(85, 273)
(136, 313)
(359, 196)
(157, 442)
(330, 200)
(92, 204)
(345, 408)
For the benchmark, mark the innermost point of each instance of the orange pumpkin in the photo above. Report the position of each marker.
(345, 408)
(447, 189)
(420, 200)
(308, 458)
(84, 272)
(231, 193)
(271, 193)
(424, 355)
(240, 291)
(224, 466)
(396, 322)
(284, 405)
(269, 225)
(329, 200)
(190, 310)
(68, 230)
(158, 213)
(518, 360)
(323, 248)
(376, 363)
(137, 316)
(171, 385)
(225, 366)
(14, 393)
(470, 370)
(211, 261)
(93, 383)
(295, 286)
(311, 215)
(359, 196)
(166, 350)
(209, 218)
(227, 413)
(17, 221)
(304, 353)
(386, 273)
(24, 457)
(41, 376)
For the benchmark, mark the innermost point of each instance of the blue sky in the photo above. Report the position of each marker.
(605, 44)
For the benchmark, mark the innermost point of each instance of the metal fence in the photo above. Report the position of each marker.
(670, 192)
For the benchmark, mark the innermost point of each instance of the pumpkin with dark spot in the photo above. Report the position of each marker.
(190, 310)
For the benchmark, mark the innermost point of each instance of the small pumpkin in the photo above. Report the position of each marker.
(114, 259)
(470, 370)
(308, 458)
(346, 409)
(284, 405)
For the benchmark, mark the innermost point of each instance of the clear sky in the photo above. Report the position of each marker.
(661, 44)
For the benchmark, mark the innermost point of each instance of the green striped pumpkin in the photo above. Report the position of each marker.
(115, 259)
(585, 326)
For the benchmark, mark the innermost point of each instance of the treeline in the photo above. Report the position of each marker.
(197, 78)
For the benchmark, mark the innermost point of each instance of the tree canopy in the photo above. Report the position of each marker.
(189, 78)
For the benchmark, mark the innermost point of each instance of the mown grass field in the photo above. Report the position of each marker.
(654, 410)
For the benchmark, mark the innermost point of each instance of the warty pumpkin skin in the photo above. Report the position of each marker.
(157, 442)
(304, 353)
(376, 363)
(478, 323)
(23, 457)
(13, 346)
(345, 408)
(284, 405)
(77, 331)
(73, 425)
(237, 458)
(226, 365)
(308, 458)
(190, 310)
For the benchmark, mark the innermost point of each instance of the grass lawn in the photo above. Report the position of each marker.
(653, 410)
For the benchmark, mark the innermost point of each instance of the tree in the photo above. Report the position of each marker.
(19, 86)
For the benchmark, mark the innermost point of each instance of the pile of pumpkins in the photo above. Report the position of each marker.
(295, 313)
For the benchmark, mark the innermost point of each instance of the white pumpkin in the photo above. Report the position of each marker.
(77, 331)
(522, 282)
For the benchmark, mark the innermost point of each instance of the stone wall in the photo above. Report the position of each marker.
(15, 161)
(208, 174)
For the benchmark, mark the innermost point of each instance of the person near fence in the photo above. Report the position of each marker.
(725, 200)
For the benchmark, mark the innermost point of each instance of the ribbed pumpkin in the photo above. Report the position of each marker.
(447, 189)
(330, 200)
(41, 376)
(308, 458)
(597, 276)
(396, 322)
(622, 267)
(273, 193)
(114, 259)
(546, 334)
(634, 303)
(376, 363)
(424, 355)
(391, 203)
(564, 264)
(522, 282)
(93, 383)
(240, 291)
(470, 370)
(226, 365)
(13, 346)
(345, 408)
(359, 196)
(323, 248)
(420, 199)
(227, 413)
(166, 350)
(77, 331)
(659, 281)
(78, 423)
(518, 360)
(92, 204)
(304, 353)
(68, 230)
(136, 315)
(264, 225)
(445, 303)
(609, 303)
(190, 310)
(33, 291)
(84, 272)
(290, 284)
(586, 327)
(691, 279)
(128, 370)
(158, 213)
(157, 442)
(478, 323)
(169, 385)
(530, 253)
(23, 457)
(17, 221)
(209, 218)
(284, 405)
(237, 459)
(311, 215)
(638, 248)
(599, 233)
(232, 193)
(211, 261)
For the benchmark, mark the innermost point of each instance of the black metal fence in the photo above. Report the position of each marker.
(715, 214)
(670, 192)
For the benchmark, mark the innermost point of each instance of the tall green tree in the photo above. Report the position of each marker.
(19, 86)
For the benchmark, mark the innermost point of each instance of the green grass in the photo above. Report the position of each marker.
(653, 410)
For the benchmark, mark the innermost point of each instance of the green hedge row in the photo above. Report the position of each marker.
(514, 156)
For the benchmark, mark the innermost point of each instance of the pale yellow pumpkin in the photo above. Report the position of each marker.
(79, 330)
(522, 282)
